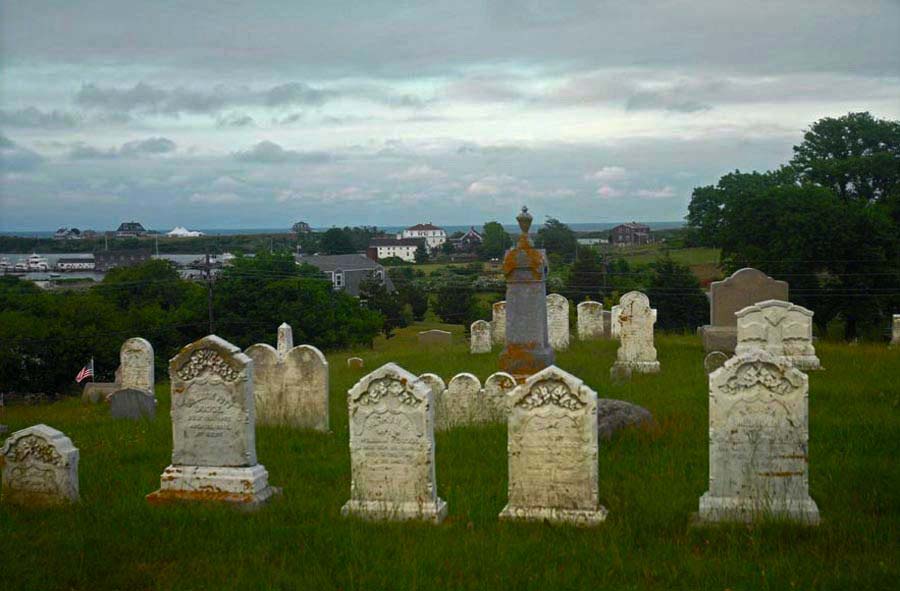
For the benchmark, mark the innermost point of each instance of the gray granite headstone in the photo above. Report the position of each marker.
(133, 404)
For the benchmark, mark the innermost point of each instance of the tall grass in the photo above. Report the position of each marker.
(649, 481)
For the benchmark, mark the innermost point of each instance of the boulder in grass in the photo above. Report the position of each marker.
(615, 415)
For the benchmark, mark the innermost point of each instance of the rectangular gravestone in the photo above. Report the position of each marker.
(590, 320)
(498, 323)
(553, 449)
(495, 396)
(558, 322)
(480, 337)
(39, 468)
(461, 403)
(895, 330)
(744, 288)
(758, 442)
(136, 364)
(213, 428)
(132, 404)
(636, 352)
(392, 448)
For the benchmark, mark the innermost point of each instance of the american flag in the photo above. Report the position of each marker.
(86, 372)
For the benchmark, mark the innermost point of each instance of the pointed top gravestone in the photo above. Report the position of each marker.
(285, 338)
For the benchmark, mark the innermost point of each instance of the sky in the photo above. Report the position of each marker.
(235, 114)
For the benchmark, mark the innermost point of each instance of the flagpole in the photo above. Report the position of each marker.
(93, 370)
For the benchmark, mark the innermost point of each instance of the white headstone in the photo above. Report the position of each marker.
(285, 338)
(590, 320)
(213, 420)
(781, 328)
(496, 394)
(461, 403)
(636, 351)
(758, 441)
(136, 365)
(615, 326)
(480, 335)
(558, 321)
(498, 323)
(895, 330)
(39, 467)
(392, 448)
(553, 450)
(291, 388)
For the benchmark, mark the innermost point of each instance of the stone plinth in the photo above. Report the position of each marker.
(527, 348)
(553, 449)
(392, 448)
(758, 442)
(781, 328)
(39, 468)
(213, 428)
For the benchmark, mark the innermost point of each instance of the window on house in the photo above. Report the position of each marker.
(339, 279)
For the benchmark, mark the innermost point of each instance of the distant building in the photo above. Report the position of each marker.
(630, 234)
(469, 242)
(347, 271)
(75, 264)
(130, 230)
(434, 236)
(68, 234)
(301, 228)
(402, 248)
(105, 260)
(592, 241)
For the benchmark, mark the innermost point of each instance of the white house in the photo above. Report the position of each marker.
(75, 264)
(434, 237)
(402, 248)
(182, 232)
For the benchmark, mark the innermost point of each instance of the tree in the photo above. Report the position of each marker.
(557, 238)
(377, 298)
(455, 303)
(421, 256)
(337, 241)
(675, 292)
(448, 248)
(411, 293)
(495, 241)
(856, 156)
(587, 276)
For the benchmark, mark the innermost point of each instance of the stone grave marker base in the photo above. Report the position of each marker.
(434, 512)
(618, 370)
(746, 510)
(578, 517)
(246, 487)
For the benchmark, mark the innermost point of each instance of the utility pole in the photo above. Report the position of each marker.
(209, 293)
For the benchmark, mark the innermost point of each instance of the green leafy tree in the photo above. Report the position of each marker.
(389, 305)
(495, 241)
(448, 248)
(410, 291)
(337, 241)
(455, 303)
(587, 276)
(557, 238)
(676, 294)
(421, 255)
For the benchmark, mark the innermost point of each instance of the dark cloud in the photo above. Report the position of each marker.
(16, 158)
(38, 119)
(235, 120)
(267, 152)
(154, 146)
(297, 93)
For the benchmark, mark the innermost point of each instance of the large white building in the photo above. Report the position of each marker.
(434, 237)
(402, 248)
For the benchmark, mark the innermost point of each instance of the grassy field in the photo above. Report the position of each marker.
(649, 481)
(702, 261)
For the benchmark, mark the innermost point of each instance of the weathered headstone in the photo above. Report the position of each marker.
(392, 448)
(480, 335)
(435, 337)
(558, 321)
(553, 449)
(744, 288)
(607, 324)
(131, 403)
(355, 363)
(781, 328)
(527, 349)
(615, 326)
(136, 363)
(713, 361)
(496, 393)
(636, 351)
(39, 467)
(213, 421)
(895, 330)
(290, 388)
(758, 441)
(498, 323)
(285, 339)
(590, 320)
(461, 403)
(615, 415)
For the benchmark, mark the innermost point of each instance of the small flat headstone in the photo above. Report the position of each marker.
(133, 404)
(355, 363)
(714, 361)
(435, 337)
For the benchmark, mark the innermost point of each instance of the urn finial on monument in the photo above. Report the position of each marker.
(527, 348)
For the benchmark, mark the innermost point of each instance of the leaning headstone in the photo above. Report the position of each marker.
(781, 328)
(498, 323)
(744, 288)
(392, 448)
(758, 441)
(213, 422)
(714, 361)
(435, 337)
(590, 320)
(355, 363)
(615, 325)
(615, 415)
(527, 349)
(480, 337)
(461, 403)
(290, 388)
(895, 330)
(636, 351)
(136, 364)
(133, 404)
(496, 393)
(553, 449)
(39, 467)
(558, 321)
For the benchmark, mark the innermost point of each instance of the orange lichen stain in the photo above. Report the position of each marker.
(169, 496)
(519, 360)
(534, 262)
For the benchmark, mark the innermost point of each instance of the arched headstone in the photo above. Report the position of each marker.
(39, 467)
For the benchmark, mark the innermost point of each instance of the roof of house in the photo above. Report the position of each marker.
(343, 262)
(395, 242)
(131, 227)
(428, 226)
(633, 226)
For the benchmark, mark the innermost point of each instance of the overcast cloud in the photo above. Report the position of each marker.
(256, 114)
